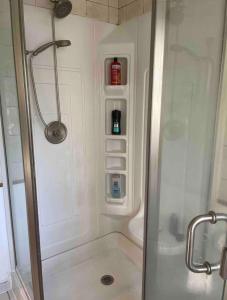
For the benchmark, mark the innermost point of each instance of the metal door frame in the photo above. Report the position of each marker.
(158, 27)
(18, 38)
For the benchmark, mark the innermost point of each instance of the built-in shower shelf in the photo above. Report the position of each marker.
(117, 149)
(115, 146)
(116, 90)
(116, 137)
(115, 171)
(116, 154)
(116, 201)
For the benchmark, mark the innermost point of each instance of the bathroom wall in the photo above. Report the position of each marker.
(136, 30)
(102, 10)
(67, 174)
(129, 9)
(111, 11)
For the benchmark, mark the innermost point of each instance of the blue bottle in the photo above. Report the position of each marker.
(116, 186)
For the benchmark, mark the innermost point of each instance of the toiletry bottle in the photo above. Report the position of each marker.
(115, 72)
(116, 122)
(116, 186)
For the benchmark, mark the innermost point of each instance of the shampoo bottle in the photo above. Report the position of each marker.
(115, 72)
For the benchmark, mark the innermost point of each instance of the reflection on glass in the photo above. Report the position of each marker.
(190, 94)
(11, 128)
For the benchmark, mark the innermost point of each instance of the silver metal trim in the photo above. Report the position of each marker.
(18, 37)
(158, 27)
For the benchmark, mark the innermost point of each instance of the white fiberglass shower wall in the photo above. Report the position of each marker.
(68, 175)
(65, 172)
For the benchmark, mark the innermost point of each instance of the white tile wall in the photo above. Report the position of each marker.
(43, 3)
(97, 11)
(114, 3)
(113, 15)
(79, 7)
(102, 9)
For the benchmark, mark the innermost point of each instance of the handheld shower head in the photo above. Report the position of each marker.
(63, 43)
(59, 43)
(62, 8)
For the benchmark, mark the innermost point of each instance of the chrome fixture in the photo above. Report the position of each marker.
(206, 267)
(58, 44)
(55, 131)
(62, 8)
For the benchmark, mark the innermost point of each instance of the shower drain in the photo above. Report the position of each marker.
(107, 279)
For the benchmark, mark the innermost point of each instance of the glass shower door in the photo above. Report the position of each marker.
(185, 96)
(18, 152)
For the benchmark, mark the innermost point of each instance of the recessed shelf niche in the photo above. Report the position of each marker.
(115, 163)
(117, 150)
(119, 104)
(109, 187)
(115, 146)
(124, 70)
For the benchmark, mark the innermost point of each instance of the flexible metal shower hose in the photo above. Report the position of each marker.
(35, 91)
(31, 69)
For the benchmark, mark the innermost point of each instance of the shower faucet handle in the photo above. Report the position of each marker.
(223, 266)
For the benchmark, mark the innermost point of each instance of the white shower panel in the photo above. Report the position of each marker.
(66, 173)
(62, 170)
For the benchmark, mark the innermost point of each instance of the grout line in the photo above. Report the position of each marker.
(123, 6)
(86, 8)
(107, 5)
(103, 5)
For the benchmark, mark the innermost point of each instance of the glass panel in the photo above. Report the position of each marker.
(192, 59)
(12, 136)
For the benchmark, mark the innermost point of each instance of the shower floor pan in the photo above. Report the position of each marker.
(77, 274)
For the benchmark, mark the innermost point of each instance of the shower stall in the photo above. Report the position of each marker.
(96, 215)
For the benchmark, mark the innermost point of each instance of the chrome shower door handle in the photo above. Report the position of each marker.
(206, 267)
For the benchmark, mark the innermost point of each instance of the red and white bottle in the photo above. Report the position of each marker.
(115, 72)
